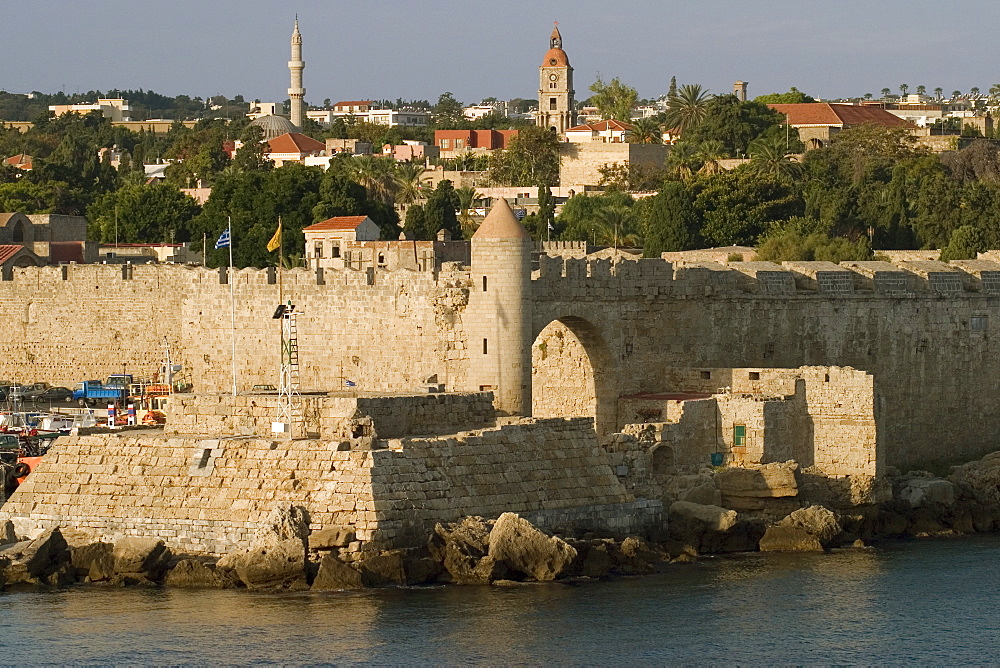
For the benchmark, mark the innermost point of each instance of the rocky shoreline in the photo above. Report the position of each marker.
(775, 507)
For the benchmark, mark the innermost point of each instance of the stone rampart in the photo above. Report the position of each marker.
(210, 495)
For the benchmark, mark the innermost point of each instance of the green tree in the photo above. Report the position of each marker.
(616, 226)
(645, 131)
(921, 90)
(438, 213)
(793, 96)
(737, 206)
(614, 99)
(531, 158)
(885, 93)
(687, 108)
(546, 213)
(580, 217)
(669, 221)
(467, 197)
(447, 111)
(769, 158)
(251, 156)
(791, 243)
(736, 123)
(710, 153)
(155, 213)
(965, 243)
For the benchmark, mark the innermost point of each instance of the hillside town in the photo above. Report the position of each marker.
(279, 346)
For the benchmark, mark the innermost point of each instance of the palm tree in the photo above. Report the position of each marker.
(770, 157)
(710, 152)
(885, 93)
(974, 91)
(956, 93)
(921, 90)
(938, 92)
(376, 175)
(467, 197)
(903, 88)
(995, 91)
(868, 96)
(408, 184)
(645, 131)
(682, 160)
(614, 227)
(687, 108)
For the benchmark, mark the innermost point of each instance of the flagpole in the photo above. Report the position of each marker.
(232, 299)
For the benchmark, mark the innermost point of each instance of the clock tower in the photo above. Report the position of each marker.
(555, 88)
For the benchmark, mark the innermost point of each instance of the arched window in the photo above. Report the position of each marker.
(18, 234)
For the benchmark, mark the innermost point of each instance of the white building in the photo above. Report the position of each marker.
(117, 109)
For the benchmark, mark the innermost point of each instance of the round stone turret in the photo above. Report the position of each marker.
(498, 317)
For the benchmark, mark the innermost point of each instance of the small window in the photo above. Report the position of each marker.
(335, 251)
(445, 143)
(755, 375)
(381, 259)
(484, 284)
(826, 378)
(459, 143)
(977, 323)
(486, 347)
(319, 251)
(739, 436)
(706, 375)
(206, 456)
(552, 104)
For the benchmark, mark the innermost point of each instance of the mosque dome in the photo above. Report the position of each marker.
(274, 126)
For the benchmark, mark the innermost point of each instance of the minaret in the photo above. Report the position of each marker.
(295, 66)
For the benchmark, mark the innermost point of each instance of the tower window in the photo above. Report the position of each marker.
(484, 284)
(552, 104)
(486, 348)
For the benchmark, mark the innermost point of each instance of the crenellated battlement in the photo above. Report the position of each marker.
(562, 277)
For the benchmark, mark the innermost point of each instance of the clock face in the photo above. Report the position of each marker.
(553, 77)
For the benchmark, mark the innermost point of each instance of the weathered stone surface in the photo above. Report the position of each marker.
(7, 535)
(597, 561)
(282, 566)
(335, 575)
(523, 548)
(767, 481)
(706, 494)
(331, 538)
(194, 574)
(141, 555)
(789, 539)
(84, 556)
(817, 521)
(382, 570)
(283, 524)
(35, 561)
(704, 527)
(925, 491)
(636, 556)
(462, 547)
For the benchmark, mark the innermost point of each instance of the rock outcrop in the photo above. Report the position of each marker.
(750, 488)
(524, 549)
(278, 566)
(816, 521)
(42, 561)
(789, 539)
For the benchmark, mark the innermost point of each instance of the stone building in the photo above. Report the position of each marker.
(819, 122)
(556, 106)
(42, 239)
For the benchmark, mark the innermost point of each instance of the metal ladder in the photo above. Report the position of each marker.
(289, 391)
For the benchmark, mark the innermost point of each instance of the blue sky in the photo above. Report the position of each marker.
(390, 48)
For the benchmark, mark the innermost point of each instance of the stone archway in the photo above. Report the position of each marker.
(572, 374)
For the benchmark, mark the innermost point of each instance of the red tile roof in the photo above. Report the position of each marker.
(840, 115)
(295, 142)
(336, 223)
(66, 251)
(22, 160)
(7, 251)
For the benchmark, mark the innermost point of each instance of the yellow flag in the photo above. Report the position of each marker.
(275, 241)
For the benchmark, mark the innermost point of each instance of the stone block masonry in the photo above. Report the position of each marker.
(209, 495)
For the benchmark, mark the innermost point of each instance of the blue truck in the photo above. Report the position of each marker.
(94, 392)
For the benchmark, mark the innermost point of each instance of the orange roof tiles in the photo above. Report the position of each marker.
(7, 251)
(295, 142)
(336, 223)
(823, 113)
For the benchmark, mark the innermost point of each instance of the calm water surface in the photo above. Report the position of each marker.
(928, 602)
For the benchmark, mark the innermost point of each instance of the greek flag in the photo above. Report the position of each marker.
(350, 383)
(223, 241)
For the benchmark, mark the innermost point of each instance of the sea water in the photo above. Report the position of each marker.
(919, 602)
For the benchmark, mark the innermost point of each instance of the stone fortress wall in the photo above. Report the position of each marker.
(203, 490)
(923, 329)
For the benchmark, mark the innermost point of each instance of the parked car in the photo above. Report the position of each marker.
(55, 394)
(33, 391)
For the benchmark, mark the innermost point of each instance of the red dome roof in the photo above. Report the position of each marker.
(555, 58)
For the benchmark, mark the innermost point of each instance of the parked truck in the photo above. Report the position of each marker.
(93, 392)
